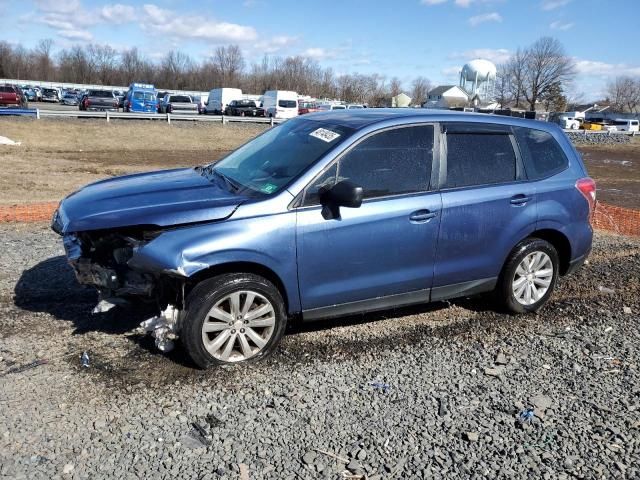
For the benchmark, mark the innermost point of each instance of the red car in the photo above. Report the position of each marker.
(307, 107)
(12, 96)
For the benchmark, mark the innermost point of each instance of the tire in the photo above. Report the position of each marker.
(513, 279)
(217, 291)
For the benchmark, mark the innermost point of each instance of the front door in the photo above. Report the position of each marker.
(386, 247)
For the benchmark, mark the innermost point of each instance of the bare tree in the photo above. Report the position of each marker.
(624, 94)
(395, 87)
(547, 65)
(420, 91)
(230, 63)
(503, 87)
(516, 69)
(44, 66)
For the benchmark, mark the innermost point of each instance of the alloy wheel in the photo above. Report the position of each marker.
(532, 278)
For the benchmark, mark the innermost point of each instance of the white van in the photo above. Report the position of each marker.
(280, 104)
(626, 125)
(569, 123)
(219, 98)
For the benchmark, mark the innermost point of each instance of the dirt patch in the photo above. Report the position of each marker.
(59, 156)
(616, 170)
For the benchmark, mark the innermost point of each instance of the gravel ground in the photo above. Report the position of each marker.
(579, 138)
(433, 391)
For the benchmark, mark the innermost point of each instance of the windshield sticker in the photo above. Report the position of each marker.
(269, 188)
(324, 135)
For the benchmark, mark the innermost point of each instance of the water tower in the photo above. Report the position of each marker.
(478, 77)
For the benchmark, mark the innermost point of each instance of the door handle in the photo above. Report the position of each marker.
(421, 216)
(519, 199)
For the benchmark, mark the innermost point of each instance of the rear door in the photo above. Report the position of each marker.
(487, 206)
(386, 247)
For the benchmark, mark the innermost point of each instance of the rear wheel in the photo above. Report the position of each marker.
(233, 318)
(529, 276)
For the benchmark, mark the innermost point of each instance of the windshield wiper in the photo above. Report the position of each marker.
(234, 187)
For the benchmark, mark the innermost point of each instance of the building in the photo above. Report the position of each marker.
(447, 96)
(401, 100)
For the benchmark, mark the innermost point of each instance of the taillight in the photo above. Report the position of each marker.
(587, 187)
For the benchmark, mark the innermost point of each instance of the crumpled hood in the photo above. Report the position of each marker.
(163, 198)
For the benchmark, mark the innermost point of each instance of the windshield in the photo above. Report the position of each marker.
(269, 162)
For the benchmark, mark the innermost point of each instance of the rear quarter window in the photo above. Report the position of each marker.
(543, 156)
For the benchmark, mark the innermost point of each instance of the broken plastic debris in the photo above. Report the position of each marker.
(103, 306)
(606, 289)
(8, 141)
(84, 360)
(163, 328)
(380, 386)
(526, 415)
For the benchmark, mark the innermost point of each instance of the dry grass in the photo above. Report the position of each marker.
(58, 156)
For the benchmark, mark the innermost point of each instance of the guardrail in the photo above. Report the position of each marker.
(166, 117)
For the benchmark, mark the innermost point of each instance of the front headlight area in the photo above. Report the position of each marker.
(99, 259)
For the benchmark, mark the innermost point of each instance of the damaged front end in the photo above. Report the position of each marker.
(101, 259)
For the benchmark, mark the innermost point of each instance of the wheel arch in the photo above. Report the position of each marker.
(560, 242)
(241, 267)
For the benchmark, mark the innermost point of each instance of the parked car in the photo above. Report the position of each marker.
(219, 99)
(141, 97)
(280, 104)
(69, 98)
(50, 95)
(324, 107)
(38, 91)
(626, 125)
(244, 108)
(159, 97)
(174, 103)
(100, 100)
(12, 96)
(201, 103)
(335, 214)
(307, 107)
(30, 94)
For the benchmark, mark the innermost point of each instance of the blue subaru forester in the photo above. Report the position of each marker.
(332, 214)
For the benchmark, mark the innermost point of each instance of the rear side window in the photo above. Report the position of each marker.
(391, 162)
(287, 103)
(479, 159)
(542, 155)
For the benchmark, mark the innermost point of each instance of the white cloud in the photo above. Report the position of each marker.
(485, 17)
(275, 44)
(160, 20)
(496, 55)
(432, 2)
(557, 25)
(553, 4)
(117, 13)
(463, 3)
(603, 69)
(83, 35)
(319, 53)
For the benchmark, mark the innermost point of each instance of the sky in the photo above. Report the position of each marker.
(403, 38)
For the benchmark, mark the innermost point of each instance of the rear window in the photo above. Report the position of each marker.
(542, 155)
(287, 103)
(144, 96)
(7, 89)
(101, 94)
(479, 159)
(180, 99)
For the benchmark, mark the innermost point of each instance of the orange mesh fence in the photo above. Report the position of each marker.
(607, 217)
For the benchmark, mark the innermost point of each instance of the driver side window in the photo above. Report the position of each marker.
(392, 162)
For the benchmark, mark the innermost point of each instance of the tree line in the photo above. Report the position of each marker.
(535, 75)
(226, 67)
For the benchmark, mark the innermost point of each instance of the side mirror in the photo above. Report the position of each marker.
(342, 194)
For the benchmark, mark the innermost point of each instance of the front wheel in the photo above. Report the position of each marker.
(233, 318)
(529, 276)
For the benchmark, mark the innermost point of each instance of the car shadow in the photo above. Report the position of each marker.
(51, 287)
